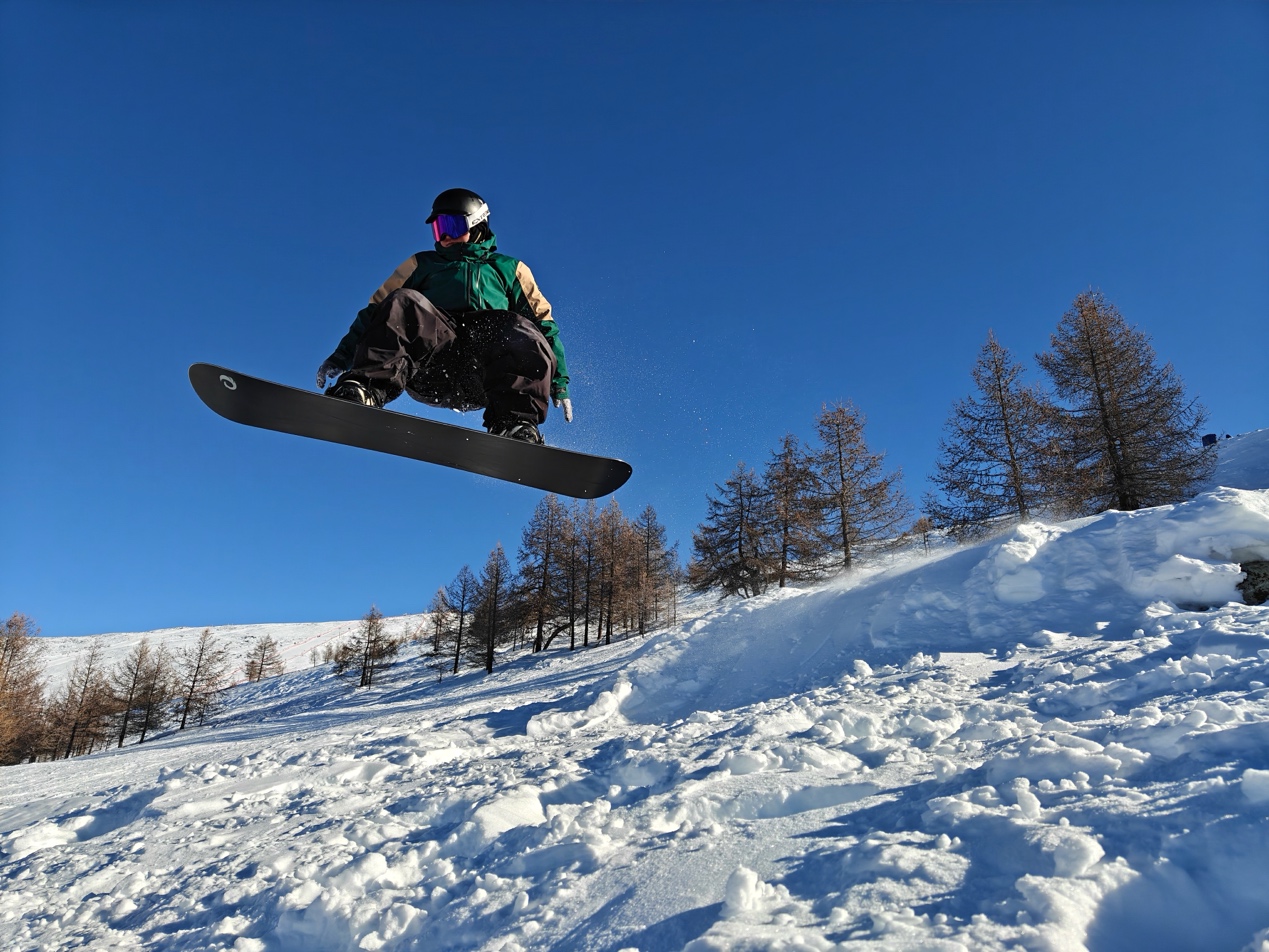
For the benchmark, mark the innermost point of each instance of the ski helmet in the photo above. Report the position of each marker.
(460, 201)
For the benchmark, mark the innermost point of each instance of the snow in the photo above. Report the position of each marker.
(1055, 740)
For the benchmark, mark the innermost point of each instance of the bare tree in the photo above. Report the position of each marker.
(21, 690)
(432, 635)
(493, 610)
(923, 528)
(201, 673)
(655, 563)
(864, 506)
(127, 682)
(368, 652)
(157, 689)
(462, 595)
(1128, 435)
(264, 659)
(614, 574)
(586, 527)
(791, 516)
(541, 552)
(81, 714)
(572, 575)
(992, 456)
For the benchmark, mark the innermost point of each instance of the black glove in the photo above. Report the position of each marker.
(330, 368)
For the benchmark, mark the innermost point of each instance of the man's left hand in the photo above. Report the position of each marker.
(565, 404)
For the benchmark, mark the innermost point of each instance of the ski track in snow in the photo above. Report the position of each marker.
(1056, 740)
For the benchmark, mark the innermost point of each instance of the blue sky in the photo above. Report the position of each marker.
(739, 211)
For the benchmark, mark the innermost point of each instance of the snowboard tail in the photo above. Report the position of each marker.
(273, 406)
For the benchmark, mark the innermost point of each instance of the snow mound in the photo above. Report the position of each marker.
(1037, 586)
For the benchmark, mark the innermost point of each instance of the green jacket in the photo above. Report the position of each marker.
(469, 277)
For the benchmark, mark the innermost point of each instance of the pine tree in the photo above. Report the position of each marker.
(1128, 435)
(21, 690)
(991, 463)
(863, 506)
(264, 660)
(792, 514)
(728, 548)
(201, 673)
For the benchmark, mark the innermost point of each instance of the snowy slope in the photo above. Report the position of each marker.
(1055, 740)
(1244, 460)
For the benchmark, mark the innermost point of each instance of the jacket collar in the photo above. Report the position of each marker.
(475, 250)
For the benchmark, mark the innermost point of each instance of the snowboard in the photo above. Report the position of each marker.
(273, 406)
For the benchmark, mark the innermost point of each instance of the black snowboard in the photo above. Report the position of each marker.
(274, 406)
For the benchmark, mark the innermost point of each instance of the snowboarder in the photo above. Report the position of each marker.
(460, 326)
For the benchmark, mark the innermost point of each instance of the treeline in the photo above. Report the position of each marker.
(583, 573)
(1107, 427)
(815, 508)
(102, 705)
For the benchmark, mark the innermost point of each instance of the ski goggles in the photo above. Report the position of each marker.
(445, 225)
(450, 226)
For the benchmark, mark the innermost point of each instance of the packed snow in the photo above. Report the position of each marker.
(1055, 740)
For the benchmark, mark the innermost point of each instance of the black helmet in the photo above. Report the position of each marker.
(460, 201)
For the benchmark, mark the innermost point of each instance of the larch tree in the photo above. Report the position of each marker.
(614, 566)
(994, 449)
(542, 551)
(1128, 436)
(792, 514)
(368, 652)
(493, 609)
(81, 714)
(264, 659)
(462, 595)
(586, 528)
(127, 681)
(433, 635)
(654, 563)
(202, 672)
(154, 699)
(729, 547)
(21, 690)
(863, 506)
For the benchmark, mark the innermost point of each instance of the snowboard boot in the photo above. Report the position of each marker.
(517, 430)
(356, 390)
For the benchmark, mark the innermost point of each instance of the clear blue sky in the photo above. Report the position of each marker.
(738, 210)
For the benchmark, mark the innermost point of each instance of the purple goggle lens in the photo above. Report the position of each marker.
(453, 226)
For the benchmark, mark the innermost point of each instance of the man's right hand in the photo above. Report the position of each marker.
(330, 368)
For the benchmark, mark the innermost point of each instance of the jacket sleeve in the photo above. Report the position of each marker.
(529, 299)
(343, 354)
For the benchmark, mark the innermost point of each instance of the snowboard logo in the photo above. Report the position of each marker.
(229, 382)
